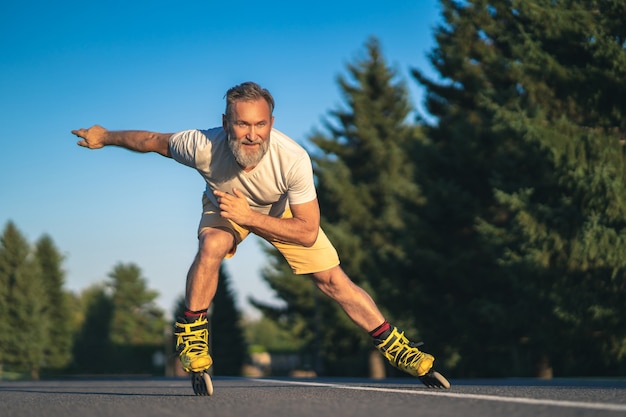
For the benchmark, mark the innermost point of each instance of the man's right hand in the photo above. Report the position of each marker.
(142, 141)
(92, 138)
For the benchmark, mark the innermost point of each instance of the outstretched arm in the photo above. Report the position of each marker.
(135, 140)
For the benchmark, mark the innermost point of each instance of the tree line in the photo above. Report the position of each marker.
(111, 327)
(35, 313)
(495, 228)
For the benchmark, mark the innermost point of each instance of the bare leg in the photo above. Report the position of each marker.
(202, 277)
(360, 307)
(357, 304)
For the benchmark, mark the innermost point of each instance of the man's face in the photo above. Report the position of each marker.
(248, 128)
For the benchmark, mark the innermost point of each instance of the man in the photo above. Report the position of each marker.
(258, 181)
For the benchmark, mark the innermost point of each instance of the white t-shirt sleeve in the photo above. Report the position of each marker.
(300, 179)
(184, 146)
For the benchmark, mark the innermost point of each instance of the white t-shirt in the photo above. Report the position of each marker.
(284, 175)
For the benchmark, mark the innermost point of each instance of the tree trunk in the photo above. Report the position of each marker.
(544, 369)
(377, 365)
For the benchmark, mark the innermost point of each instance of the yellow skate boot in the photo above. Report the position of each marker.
(405, 355)
(192, 343)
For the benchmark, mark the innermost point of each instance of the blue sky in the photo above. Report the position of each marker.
(165, 66)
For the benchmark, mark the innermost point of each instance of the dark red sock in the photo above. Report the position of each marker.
(195, 314)
(377, 332)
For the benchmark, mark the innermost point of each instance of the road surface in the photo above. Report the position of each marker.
(323, 397)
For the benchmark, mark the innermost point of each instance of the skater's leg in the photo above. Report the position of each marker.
(322, 263)
(191, 330)
(361, 308)
(356, 303)
(214, 245)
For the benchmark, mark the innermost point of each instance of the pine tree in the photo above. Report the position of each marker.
(92, 351)
(527, 169)
(365, 185)
(24, 342)
(123, 327)
(137, 320)
(5, 297)
(366, 181)
(365, 175)
(267, 336)
(228, 344)
(58, 314)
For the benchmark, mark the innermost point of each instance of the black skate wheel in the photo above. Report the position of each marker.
(434, 379)
(201, 383)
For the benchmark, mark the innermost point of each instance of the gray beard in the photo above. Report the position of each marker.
(247, 159)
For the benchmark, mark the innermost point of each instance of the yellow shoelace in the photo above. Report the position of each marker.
(192, 338)
(402, 354)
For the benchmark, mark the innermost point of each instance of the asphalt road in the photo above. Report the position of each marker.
(239, 397)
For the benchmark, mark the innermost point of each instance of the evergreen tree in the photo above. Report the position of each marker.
(5, 318)
(25, 339)
(228, 344)
(268, 336)
(137, 320)
(60, 328)
(92, 351)
(123, 328)
(365, 184)
(524, 180)
(365, 175)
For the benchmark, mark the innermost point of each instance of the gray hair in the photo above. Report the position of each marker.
(247, 91)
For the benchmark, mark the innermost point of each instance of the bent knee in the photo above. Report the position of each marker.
(216, 243)
(332, 281)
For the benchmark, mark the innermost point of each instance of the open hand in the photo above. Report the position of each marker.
(92, 138)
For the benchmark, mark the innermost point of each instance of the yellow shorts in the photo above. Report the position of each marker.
(302, 260)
